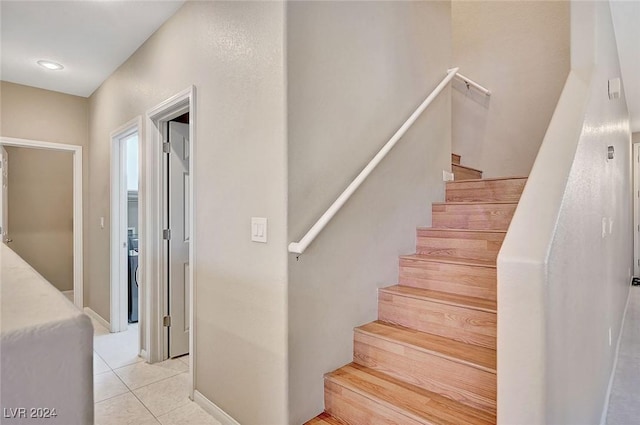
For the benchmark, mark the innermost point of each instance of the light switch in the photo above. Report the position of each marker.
(259, 229)
(614, 88)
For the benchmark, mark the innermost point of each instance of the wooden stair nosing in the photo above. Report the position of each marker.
(429, 228)
(466, 168)
(471, 262)
(432, 407)
(446, 348)
(476, 203)
(325, 419)
(487, 179)
(438, 297)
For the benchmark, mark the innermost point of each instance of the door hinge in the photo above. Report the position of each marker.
(166, 147)
(166, 234)
(166, 321)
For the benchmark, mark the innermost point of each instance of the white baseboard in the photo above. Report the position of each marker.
(605, 409)
(219, 414)
(97, 318)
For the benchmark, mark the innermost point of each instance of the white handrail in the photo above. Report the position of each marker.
(299, 247)
(470, 82)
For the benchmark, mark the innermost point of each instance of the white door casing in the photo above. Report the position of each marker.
(178, 220)
(636, 209)
(4, 196)
(78, 251)
(119, 242)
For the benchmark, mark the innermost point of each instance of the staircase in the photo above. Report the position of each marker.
(430, 358)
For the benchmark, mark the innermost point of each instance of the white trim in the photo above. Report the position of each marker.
(78, 284)
(118, 258)
(211, 408)
(636, 208)
(605, 409)
(151, 251)
(89, 312)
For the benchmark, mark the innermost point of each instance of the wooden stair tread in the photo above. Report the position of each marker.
(477, 203)
(419, 405)
(464, 301)
(325, 419)
(450, 260)
(472, 355)
(487, 179)
(466, 167)
(444, 229)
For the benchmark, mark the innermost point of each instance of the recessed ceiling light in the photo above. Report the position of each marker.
(53, 66)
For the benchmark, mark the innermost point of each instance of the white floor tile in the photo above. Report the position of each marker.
(118, 349)
(107, 385)
(185, 359)
(99, 365)
(124, 409)
(189, 414)
(166, 395)
(142, 374)
(624, 404)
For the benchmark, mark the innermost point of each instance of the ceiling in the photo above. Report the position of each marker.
(91, 39)
(626, 21)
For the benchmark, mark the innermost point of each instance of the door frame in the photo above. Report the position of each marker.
(636, 208)
(153, 250)
(118, 260)
(76, 150)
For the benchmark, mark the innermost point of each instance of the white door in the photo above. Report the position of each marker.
(4, 195)
(179, 192)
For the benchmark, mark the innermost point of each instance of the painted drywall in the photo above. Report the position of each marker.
(233, 53)
(356, 71)
(41, 212)
(564, 270)
(37, 114)
(520, 52)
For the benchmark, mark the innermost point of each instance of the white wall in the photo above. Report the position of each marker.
(562, 283)
(233, 52)
(519, 51)
(356, 71)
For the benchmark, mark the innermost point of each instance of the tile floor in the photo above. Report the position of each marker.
(129, 391)
(624, 404)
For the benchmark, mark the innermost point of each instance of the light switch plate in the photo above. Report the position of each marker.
(259, 229)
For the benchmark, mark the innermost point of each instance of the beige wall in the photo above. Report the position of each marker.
(46, 241)
(233, 52)
(356, 71)
(519, 51)
(41, 212)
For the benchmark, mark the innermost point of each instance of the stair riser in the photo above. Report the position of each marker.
(350, 406)
(508, 190)
(473, 245)
(479, 282)
(458, 381)
(462, 173)
(462, 324)
(455, 159)
(473, 216)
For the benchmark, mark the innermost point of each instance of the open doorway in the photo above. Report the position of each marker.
(168, 251)
(42, 209)
(125, 229)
